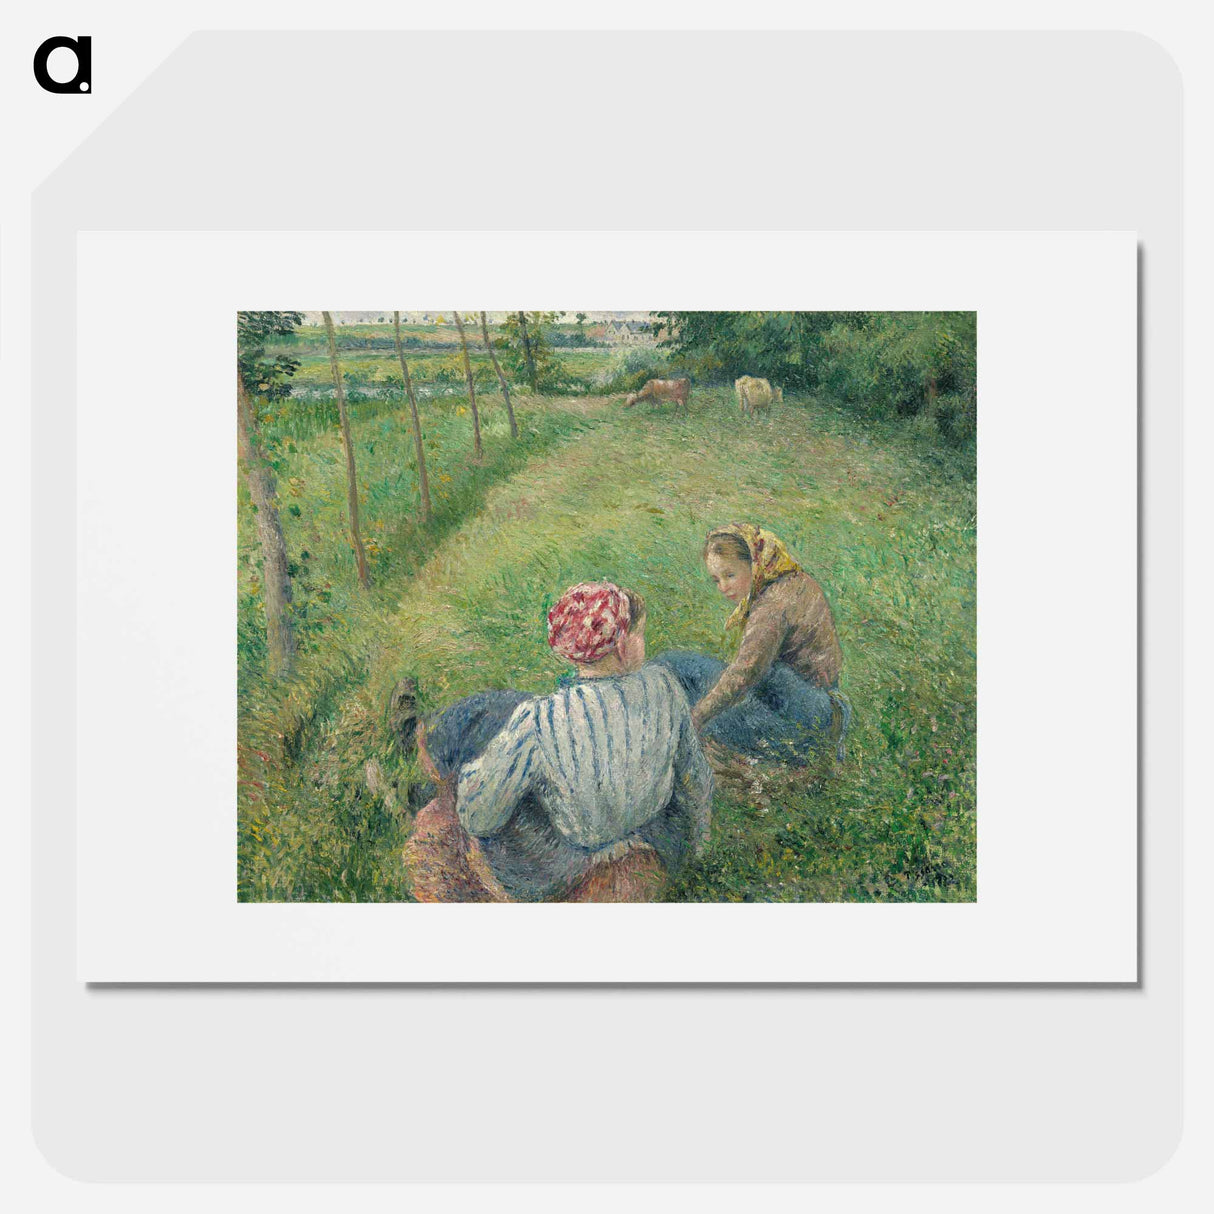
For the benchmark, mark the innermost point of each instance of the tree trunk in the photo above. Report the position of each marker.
(501, 379)
(422, 481)
(351, 474)
(275, 572)
(528, 361)
(476, 421)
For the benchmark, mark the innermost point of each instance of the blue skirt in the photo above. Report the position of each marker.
(782, 717)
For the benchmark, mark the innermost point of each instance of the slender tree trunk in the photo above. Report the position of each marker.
(351, 474)
(422, 481)
(501, 379)
(528, 361)
(275, 571)
(476, 420)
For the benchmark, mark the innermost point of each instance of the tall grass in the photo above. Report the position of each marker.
(884, 521)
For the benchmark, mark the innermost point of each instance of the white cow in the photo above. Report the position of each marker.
(755, 394)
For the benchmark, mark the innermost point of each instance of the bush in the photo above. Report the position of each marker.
(957, 416)
(563, 338)
(907, 364)
(633, 370)
(783, 347)
(450, 372)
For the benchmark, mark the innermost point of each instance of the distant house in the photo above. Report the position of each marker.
(630, 333)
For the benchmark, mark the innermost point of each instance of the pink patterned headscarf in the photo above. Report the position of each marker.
(584, 624)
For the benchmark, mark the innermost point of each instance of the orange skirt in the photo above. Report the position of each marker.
(445, 864)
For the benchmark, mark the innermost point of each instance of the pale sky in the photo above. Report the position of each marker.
(415, 317)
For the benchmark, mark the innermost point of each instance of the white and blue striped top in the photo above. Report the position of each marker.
(604, 757)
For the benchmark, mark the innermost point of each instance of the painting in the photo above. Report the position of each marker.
(606, 606)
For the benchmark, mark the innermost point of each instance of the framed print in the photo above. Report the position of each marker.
(706, 620)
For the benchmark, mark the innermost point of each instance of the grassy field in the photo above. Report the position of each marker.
(433, 354)
(427, 367)
(885, 522)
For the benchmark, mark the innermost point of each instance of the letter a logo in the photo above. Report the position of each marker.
(82, 81)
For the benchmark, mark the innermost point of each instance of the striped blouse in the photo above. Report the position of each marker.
(603, 757)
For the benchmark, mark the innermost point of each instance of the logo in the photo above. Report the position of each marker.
(82, 81)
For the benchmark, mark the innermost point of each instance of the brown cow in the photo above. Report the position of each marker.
(677, 390)
(755, 394)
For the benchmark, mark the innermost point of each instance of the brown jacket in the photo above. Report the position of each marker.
(790, 621)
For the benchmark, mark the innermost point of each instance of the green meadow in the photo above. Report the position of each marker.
(433, 352)
(885, 520)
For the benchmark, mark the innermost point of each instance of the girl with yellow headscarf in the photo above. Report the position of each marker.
(780, 695)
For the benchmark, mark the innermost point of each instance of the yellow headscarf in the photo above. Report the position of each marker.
(769, 560)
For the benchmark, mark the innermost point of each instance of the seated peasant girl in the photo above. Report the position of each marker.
(779, 698)
(594, 793)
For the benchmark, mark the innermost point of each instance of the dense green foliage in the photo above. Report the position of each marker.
(921, 364)
(880, 363)
(784, 347)
(885, 520)
(266, 376)
(528, 356)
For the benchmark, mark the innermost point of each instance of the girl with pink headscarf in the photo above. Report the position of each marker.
(596, 792)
